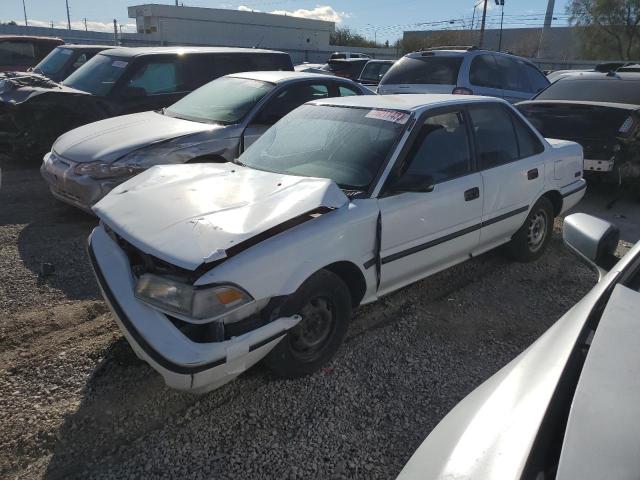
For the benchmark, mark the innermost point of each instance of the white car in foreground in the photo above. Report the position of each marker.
(210, 268)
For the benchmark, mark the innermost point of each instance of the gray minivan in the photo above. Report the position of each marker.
(465, 71)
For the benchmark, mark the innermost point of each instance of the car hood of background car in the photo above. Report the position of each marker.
(18, 87)
(110, 139)
(188, 215)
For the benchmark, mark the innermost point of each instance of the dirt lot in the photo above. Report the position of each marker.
(75, 402)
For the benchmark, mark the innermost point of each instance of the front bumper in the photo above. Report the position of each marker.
(184, 364)
(81, 191)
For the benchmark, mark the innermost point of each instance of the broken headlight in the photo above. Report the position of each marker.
(199, 303)
(102, 170)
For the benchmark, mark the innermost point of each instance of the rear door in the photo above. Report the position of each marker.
(427, 73)
(510, 158)
(281, 102)
(423, 232)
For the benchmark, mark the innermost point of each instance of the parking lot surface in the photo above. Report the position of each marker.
(75, 402)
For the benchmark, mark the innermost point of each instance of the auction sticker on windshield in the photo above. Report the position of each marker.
(389, 116)
(119, 64)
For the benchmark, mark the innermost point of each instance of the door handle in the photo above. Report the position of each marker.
(532, 174)
(472, 194)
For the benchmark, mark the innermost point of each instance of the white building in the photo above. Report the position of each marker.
(173, 25)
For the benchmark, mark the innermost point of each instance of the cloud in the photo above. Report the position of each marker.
(79, 25)
(320, 12)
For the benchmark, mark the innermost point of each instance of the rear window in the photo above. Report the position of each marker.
(16, 53)
(434, 70)
(594, 90)
(374, 71)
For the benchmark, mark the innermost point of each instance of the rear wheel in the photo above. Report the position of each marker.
(532, 239)
(324, 303)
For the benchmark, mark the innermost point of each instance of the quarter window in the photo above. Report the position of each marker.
(290, 99)
(513, 74)
(537, 80)
(441, 149)
(495, 136)
(347, 91)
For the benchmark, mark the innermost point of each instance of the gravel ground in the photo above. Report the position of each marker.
(75, 402)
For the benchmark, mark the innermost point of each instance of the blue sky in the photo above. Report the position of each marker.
(384, 18)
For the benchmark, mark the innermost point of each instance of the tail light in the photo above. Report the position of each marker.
(628, 125)
(462, 91)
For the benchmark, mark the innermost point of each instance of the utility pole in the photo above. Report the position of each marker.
(115, 31)
(549, 15)
(548, 18)
(24, 9)
(484, 19)
(68, 16)
(501, 4)
(85, 24)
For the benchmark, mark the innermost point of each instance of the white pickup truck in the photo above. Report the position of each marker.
(209, 268)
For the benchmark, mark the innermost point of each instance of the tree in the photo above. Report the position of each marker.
(344, 37)
(607, 27)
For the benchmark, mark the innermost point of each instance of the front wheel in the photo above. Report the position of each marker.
(324, 303)
(532, 239)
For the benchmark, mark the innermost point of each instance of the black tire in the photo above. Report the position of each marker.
(324, 302)
(532, 239)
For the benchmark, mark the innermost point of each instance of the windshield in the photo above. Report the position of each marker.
(54, 62)
(344, 144)
(596, 90)
(225, 100)
(98, 75)
(430, 70)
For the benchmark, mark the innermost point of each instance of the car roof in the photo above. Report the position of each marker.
(461, 52)
(377, 60)
(629, 76)
(31, 38)
(406, 102)
(285, 76)
(74, 46)
(139, 51)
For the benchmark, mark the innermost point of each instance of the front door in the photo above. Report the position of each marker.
(423, 232)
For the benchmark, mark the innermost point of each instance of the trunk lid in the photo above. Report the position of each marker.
(188, 215)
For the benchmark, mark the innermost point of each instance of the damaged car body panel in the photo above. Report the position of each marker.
(316, 217)
(183, 209)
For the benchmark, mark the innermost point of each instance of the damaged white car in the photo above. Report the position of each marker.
(210, 268)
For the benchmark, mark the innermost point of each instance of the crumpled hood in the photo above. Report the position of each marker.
(18, 87)
(188, 215)
(110, 139)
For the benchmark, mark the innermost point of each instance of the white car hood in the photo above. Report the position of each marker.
(188, 215)
(110, 139)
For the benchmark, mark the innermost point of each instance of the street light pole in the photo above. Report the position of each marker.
(501, 3)
(24, 9)
(68, 17)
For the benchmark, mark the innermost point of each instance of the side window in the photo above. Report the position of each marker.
(495, 137)
(484, 72)
(290, 99)
(347, 91)
(441, 149)
(513, 74)
(528, 143)
(81, 60)
(156, 78)
(537, 80)
(202, 69)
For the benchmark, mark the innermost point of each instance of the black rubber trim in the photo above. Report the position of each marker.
(452, 236)
(267, 340)
(159, 359)
(575, 190)
(499, 218)
(369, 263)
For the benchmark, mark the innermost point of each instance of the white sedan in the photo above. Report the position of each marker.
(210, 268)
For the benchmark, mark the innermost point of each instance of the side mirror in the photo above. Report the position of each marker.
(593, 239)
(413, 183)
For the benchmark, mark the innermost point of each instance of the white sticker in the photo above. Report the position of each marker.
(66, 51)
(389, 116)
(119, 64)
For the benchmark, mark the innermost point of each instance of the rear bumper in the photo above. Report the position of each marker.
(603, 166)
(572, 194)
(184, 364)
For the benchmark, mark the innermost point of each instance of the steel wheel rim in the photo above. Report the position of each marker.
(537, 230)
(312, 334)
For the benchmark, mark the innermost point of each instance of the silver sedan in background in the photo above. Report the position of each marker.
(214, 123)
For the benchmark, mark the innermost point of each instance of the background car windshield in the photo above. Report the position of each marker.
(373, 71)
(225, 100)
(435, 70)
(596, 90)
(98, 75)
(346, 145)
(54, 62)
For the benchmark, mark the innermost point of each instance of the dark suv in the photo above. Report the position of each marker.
(116, 82)
(62, 61)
